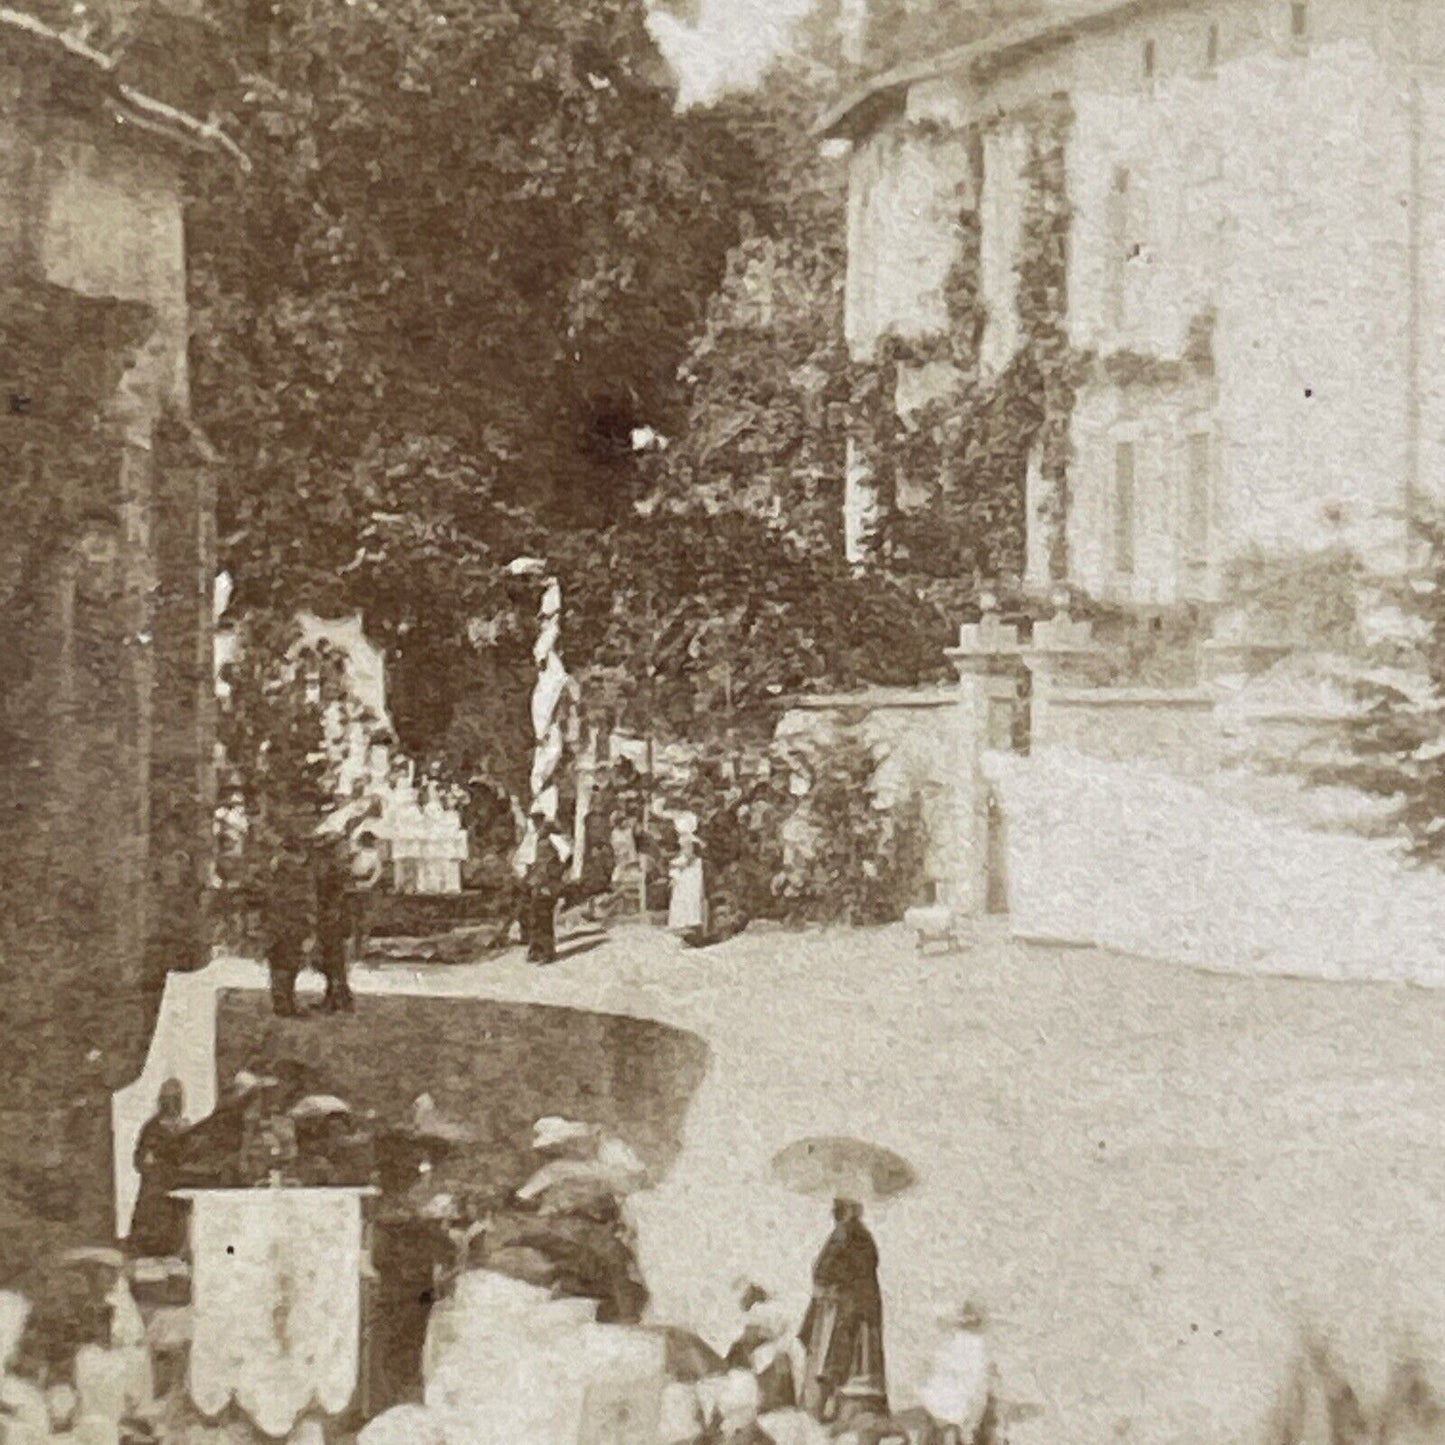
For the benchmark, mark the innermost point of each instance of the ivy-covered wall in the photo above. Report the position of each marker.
(964, 454)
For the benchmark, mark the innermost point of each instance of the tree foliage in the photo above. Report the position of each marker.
(1392, 745)
(858, 862)
(280, 716)
(476, 249)
(767, 372)
(465, 265)
(688, 619)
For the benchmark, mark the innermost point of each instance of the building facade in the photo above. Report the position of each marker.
(1250, 292)
(106, 567)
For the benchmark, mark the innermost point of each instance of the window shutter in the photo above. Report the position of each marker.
(1124, 507)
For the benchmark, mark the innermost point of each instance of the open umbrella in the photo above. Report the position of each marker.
(843, 1168)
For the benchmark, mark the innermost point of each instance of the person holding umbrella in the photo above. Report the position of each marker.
(843, 1328)
(844, 1375)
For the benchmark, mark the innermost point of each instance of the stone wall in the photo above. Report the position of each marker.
(1131, 858)
(105, 572)
(920, 738)
(1175, 728)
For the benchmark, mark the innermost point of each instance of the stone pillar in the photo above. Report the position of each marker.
(987, 658)
(1060, 651)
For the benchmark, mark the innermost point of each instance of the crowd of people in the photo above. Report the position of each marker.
(315, 891)
(566, 1227)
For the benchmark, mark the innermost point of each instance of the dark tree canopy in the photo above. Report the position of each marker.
(768, 374)
(472, 231)
(478, 247)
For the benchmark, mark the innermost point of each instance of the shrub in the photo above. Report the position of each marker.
(1321, 1406)
(1307, 599)
(1391, 745)
(283, 707)
(850, 859)
(829, 853)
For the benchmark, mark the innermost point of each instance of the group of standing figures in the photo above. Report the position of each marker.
(314, 902)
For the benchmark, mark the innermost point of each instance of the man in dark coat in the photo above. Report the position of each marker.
(409, 1255)
(335, 922)
(545, 878)
(287, 910)
(843, 1329)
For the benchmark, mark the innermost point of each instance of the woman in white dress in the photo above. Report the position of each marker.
(687, 904)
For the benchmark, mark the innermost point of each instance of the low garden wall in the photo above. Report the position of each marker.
(1134, 859)
(496, 1066)
(1174, 727)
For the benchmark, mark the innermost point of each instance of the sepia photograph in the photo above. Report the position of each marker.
(722, 722)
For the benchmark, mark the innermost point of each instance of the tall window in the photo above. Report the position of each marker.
(1118, 245)
(1124, 507)
(1211, 47)
(1198, 498)
(1299, 20)
(1151, 59)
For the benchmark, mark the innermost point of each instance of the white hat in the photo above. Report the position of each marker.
(734, 1397)
(441, 1207)
(245, 1082)
(557, 1133)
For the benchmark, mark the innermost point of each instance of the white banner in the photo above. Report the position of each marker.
(276, 1295)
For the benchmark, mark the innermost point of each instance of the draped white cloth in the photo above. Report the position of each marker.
(277, 1301)
(547, 758)
(957, 1389)
(505, 1364)
(552, 680)
(548, 637)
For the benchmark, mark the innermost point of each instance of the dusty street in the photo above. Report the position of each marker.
(1154, 1177)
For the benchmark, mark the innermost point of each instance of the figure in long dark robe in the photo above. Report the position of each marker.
(843, 1329)
(287, 915)
(158, 1228)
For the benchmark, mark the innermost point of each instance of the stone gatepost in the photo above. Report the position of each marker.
(987, 659)
(1059, 653)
